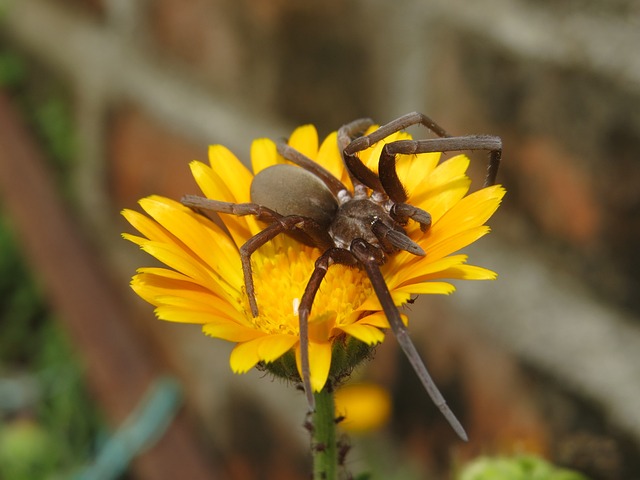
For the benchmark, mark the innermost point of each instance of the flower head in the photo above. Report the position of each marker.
(203, 282)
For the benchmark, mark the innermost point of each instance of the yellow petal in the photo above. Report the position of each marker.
(263, 154)
(205, 303)
(162, 286)
(418, 170)
(319, 363)
(204, 239)
(135, 239)
(455, 243)
(215, 187)
(228, 167)
(416, 269)
(305, 140)
(469, 272)
(211, 184)
(245, 356)
(231, 332)
(365, 333)
(380, 320)
(431, 288)
(437, 200)
(170, 313)
(176, 258)
(146, 227)
(473, 210)
(330, 158)
(273, 347)
(371, 156)
(372, 303)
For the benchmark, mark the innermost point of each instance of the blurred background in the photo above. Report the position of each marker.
(103, 102)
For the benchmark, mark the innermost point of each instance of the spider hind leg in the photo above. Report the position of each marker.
(329, 257)
(367, 257)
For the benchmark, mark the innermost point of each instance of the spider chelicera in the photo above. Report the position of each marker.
(360, 228)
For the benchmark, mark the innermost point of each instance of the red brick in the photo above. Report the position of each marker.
(95, 7)
(200, 33)
(558, 192)
(145, 157)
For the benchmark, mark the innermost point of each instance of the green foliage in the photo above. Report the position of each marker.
(12, 70)
(523, 467)
(46, 107)
(24, 450)
(54, 122)
(57, 430)
(54, 429)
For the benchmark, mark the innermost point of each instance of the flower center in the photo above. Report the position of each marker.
(281, 271)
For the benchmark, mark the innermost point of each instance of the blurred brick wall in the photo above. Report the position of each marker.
(155, 82)
(562, 91)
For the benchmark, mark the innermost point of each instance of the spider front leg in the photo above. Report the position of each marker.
(401, 123)
(240, 209)
(387, 163)
(329, 257)
(388, 178)
(354, 164)
(370, 258)
(278, 224)
(359, 174)
(401, 212)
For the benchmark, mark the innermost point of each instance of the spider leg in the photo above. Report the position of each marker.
(240, 209)
(369, 258)
(401, 123)
(387, 166)
(358, 169)
(403, 211)
(348, 131)
(329, 257)
(278, 224)
(386, 169)
(293, 155)
(360, 175)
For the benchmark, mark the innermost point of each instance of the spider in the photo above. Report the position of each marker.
(360, 228)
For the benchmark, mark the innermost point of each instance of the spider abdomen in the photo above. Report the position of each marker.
(291, 190)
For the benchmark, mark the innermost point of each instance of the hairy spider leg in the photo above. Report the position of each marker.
(351, 130)
(400, 123)
(333, 184)
(328, 258)
(386, 169)
(278, 224)
(359, 169)
(401, 212)
(368, 257)
(387, 163)
(360, 175)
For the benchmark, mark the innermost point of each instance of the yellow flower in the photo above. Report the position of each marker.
(365, 407)
(203, 281)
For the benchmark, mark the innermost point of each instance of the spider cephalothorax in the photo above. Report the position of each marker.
(359, 228)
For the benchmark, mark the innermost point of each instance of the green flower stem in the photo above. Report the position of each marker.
(323, 437)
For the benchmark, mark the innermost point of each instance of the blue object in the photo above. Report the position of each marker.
(142, 428)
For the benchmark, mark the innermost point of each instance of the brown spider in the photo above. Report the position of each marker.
(359, 228)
